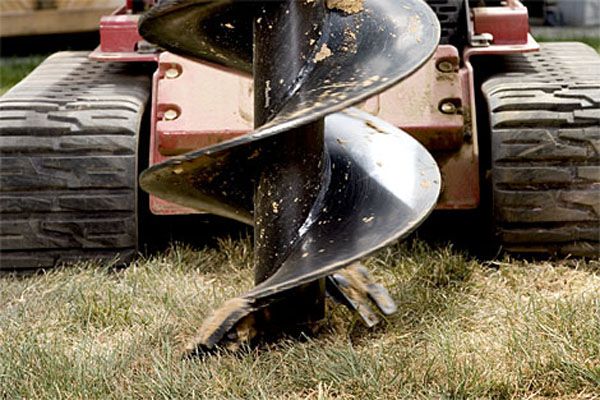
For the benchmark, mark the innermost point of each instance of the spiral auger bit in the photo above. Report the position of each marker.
(323, 185)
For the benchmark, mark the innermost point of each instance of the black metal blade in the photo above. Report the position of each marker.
(369, 51)
(383, 184)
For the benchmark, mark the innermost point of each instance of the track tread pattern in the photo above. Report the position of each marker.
(545, 126)
(449, 14)
(68, 162)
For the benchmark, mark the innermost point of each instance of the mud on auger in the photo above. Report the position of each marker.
(322, 184)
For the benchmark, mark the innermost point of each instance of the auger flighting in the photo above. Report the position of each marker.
(322, 184)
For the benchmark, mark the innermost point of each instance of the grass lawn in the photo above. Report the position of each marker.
(590, 41)
(509, 329)
(13, 69)
(465, 329)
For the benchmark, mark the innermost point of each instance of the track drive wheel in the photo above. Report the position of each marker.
(545, 138)
(68, 162)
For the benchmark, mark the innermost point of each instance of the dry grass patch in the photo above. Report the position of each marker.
(511, 329)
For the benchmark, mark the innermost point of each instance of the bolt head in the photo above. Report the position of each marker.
(170, 115)
(448, 107)
(172, 73)
(446, 66)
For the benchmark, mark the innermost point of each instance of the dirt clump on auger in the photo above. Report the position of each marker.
(347, 6)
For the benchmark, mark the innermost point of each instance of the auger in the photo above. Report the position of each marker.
(323, 185)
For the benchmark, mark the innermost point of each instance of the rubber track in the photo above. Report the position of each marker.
(545, 124)
(68, 162)
(448, 13)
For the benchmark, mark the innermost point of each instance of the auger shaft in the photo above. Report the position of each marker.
(289, 184)
(293, 168)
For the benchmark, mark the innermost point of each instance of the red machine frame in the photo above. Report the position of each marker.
(195, 105)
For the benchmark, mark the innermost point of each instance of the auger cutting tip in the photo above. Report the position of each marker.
(354, 287)
(230, 325)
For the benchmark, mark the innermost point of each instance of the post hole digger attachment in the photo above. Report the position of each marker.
(323, 184)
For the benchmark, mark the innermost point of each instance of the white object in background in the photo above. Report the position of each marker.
(580, 12)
